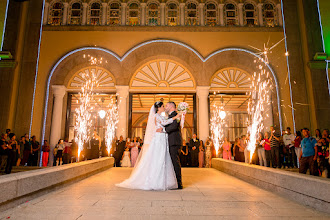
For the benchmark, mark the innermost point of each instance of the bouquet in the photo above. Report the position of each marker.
(183, 107)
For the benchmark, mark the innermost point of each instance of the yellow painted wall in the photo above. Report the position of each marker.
(55, 44)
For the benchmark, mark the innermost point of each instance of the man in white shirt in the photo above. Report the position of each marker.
(289, 153)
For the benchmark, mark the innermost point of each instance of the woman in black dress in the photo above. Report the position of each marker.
(183, 154)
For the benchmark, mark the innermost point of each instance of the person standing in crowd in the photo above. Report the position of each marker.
(226, 149)
(275, 147)
(134, 151)
(318, 134)
(3, 152)
(261, 150)
(66, 151)
(245, 152)
(141, 144)
(12, 148)
(8, 131)
(297, 147)
(45, 153)
(201, 154)
(288, 139)
(183, 154)
(194, 149)
(120, 148)
(323, 154)
(27, 151)
(308, 154)
(59, 154)
(126, 161)
(188, 157)
(74, 151)
(208, 153)
(266, 145)
(35, 151)
(21, 150)
(95, 143)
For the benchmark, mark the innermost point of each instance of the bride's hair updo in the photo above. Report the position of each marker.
(157, 105)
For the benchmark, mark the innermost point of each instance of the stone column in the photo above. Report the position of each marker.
(46, 13)
(279, 13)
(56, 125)
(104, 13)
(240, 14)
(221, 13)
(260, 14)
(162, 14)
(84, 14)
(143, 14)
(182, 5)
(201, 14)
(123, 92)
(123, 13)
(65, 13)
(203, 112)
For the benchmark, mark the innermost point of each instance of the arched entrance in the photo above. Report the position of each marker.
(230, 87)
(160, 80)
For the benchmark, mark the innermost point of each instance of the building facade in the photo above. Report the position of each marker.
(201, 52)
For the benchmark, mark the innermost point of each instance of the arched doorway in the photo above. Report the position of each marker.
(230, 87)
(161, 80)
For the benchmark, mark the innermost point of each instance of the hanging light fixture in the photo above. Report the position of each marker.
(102, 113)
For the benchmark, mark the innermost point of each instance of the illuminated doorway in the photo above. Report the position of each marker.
(140, 104)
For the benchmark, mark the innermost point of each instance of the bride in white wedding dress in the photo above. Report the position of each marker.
(154, 169)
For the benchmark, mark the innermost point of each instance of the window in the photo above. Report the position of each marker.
(211, 14)
(172, 14)
(95, 13)
(114, 13)
(75, 13)
(250, 13)
(133, 14)
(56, 13)
(231, 14)
(269, 15)
(191, 14)
(153, 15)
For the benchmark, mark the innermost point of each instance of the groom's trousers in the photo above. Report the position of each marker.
(175, 152)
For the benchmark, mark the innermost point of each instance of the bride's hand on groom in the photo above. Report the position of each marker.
(159, 130)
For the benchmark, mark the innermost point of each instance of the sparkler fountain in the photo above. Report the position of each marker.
(112, 119)
(83, 115)
(217, 127)
(260, 97)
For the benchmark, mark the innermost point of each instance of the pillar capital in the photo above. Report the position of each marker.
(58, 90)
(202, 91)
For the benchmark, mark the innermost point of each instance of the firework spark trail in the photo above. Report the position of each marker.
(111, 121)
(217, 125)
(260, 98)
(83, 115)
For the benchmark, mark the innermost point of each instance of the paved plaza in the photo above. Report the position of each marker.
(207, 194)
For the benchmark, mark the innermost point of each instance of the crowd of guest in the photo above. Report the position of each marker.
(17, 152)
(273, 149)
(126, 151)
(284, 150)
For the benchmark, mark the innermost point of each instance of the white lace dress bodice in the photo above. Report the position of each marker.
(161, 121)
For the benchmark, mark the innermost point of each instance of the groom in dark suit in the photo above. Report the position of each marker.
(174, 140)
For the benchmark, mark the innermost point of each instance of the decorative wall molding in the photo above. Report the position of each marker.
(105, 79)
(162, 74)
(231, 79)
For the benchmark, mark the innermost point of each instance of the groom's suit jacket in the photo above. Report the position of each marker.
(174, 131)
